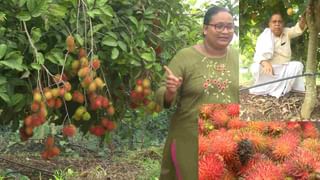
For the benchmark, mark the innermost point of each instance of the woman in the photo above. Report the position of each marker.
(201, 74)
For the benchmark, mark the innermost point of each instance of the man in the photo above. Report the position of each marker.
(272, 59)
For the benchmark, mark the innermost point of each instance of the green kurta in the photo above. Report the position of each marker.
(205, 81)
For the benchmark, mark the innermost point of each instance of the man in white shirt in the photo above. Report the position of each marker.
(272, 59)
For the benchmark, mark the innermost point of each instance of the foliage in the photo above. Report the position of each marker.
(132, 40)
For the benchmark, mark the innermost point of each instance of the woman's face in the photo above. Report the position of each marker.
(219, 32)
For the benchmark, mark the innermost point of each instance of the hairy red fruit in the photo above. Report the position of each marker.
(233, 109)
(49, 142)
(219, 118)
(285, 145)
(95, 64)
(35, 106)
(82, 53)
(265, 169)
(211, 166)
(58, 103)
(110, 110)
(69, 130)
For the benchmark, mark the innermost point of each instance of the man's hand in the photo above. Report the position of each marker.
(302, 20)
(267, 68)
(173, 82)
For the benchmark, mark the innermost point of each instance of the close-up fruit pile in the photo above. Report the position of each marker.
(233, 149)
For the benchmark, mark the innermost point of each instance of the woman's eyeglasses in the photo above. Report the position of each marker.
(220, 27)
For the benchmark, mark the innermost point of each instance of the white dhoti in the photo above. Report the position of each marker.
(280, 71)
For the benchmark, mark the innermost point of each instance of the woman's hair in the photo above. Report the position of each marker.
(213, 11)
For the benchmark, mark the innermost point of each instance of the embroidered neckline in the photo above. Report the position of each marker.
(218, 79)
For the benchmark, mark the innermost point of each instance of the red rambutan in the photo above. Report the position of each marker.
(211, 166)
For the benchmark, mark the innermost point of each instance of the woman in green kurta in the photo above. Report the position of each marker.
(201, 74)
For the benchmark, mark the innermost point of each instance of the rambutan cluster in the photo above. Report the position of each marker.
(50, 149)
(255, 149)
(141, 96)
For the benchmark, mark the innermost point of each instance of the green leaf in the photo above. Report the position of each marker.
(3, 80)
(122, 45)
(100, 3)
(5, 97)
(31, 5)
(3, 88)
(92, 13)
(40, 58)
(15, 99)
(57, 10)
(107, 10)
(97, 27)
(2, 16)
(133, 20)
(55, 56)
(3, 50)
(79, 39)
(22, 2)
(114, 53)
(36, 66)
(39, 7)
(109, 41)
(112, 34)
(13, 60)
(35, 34)
(148, 57)
(23, 16)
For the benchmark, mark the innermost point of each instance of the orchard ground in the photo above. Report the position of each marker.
(287, 107)
(80, 158)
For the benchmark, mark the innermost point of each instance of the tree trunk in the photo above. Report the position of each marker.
(311, 65)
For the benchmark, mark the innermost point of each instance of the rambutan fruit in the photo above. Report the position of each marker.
(264, 169)
(83, 72)
(309, 130)
(275, 128)
(204, 143)
(285, 145)
(99, 82)
(70, 43)
(311, 144)
(110, 110)
(54, 151)
(28, 121)
(95, 64)
(259, 126)
(67, 86)
(69, 130)
(301, 164)
(233, 109)
(82, 53)
(97, 130)
(105, 102)
(35, 106)
(58, 103)
(45, 155)
(236, 123)
(51, 103)
(223, 144)
(219, 118)
(259, 141)
(211, 166)
(293, 126)
(49, 142)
